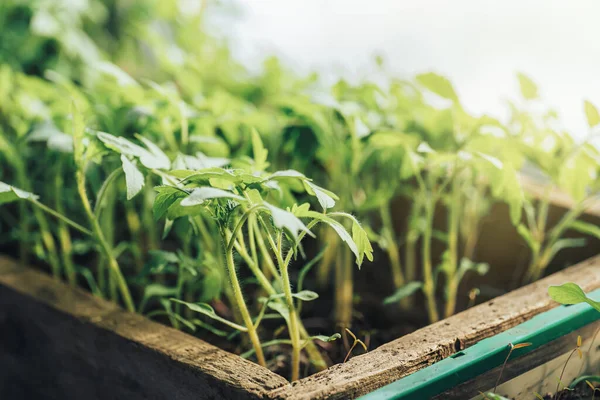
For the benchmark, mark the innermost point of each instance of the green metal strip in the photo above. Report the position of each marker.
(489, 353)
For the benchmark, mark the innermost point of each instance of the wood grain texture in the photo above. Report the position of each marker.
(435, 342)
(61, 343)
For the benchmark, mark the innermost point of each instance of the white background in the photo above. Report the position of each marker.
(478, 44)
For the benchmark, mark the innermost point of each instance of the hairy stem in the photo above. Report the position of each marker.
(241, 303)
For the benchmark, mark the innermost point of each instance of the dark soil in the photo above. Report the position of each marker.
(580, 392)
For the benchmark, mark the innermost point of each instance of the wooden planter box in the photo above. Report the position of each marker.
(63, 343)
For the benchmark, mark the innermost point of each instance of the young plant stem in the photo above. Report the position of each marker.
(324, 269)
(262, 247)
(134, 225)
(343, 290)
(452, 266)
(294, 331)
(428, 280)
(541, 259)
(152, 236)
(393, 251)
(239, 297)
(315, 356)
(107, 223)
(104, 246)
(64, 236)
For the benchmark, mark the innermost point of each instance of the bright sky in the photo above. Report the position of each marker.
(478, 44)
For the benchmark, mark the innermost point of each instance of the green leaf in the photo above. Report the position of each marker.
(206, 309)
(288, 173)
(359, 242)
(565, 244)
(121, 145)
(156, 290)
(134, 179)
(259, 151)
(438, 85)
(402, 292)
(571, 293)
(529, 89)
(362, 243)
(10, 193)
(167, 195)
(325, 197)
(526, 234)
(591, 113)
(306, 295)
(155, 158)
(281, 309)
(199, 195)
(492, 160)
(325, 338)
(287, 221)
(425, 148)
(586, 228)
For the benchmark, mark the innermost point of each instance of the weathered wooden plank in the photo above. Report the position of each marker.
(435, 342)
(60, 342)
(63, 343)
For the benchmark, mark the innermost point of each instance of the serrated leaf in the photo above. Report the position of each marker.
(134, 179)
(325, 197)
(403, 292)
(10, 193)
(591, 114)
(200, 195)
(359, 235)
(287, 221)
(571, 293)
(166, 196)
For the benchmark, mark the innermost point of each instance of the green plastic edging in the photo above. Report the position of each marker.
(489, 353)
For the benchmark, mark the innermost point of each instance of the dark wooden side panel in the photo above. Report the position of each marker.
(61, 343)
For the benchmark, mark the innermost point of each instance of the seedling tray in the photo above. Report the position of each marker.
(61, 342)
